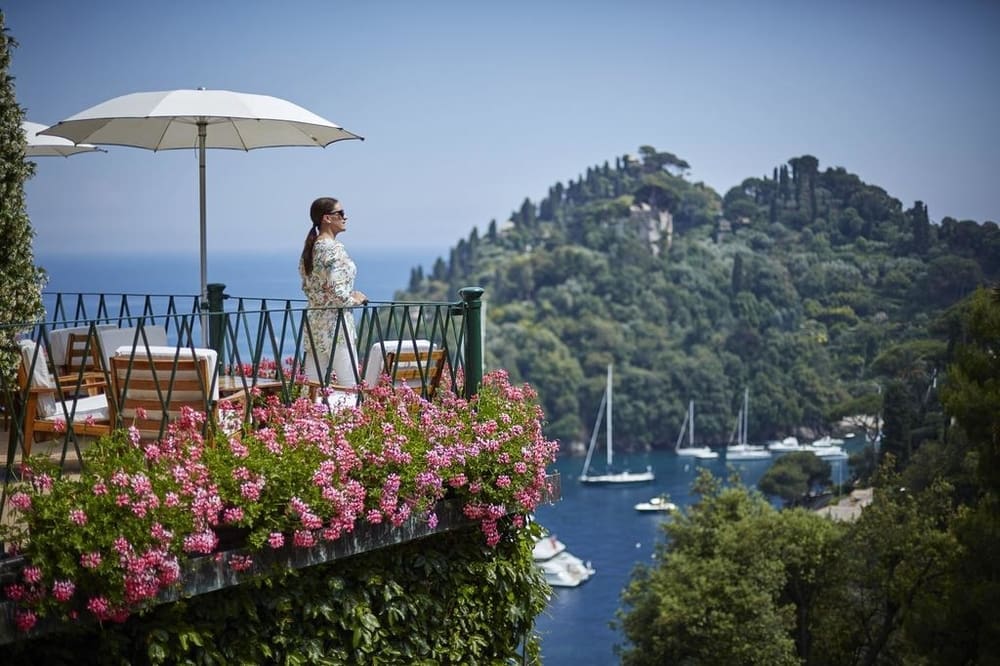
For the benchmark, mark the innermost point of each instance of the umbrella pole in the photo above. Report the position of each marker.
(202, 132)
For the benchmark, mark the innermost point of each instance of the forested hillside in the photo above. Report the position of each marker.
(811, 288)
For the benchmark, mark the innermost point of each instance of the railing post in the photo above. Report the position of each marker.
(472, 296)
(216, 339)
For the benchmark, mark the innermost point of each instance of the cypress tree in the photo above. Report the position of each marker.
(921, 227)
(21, 280)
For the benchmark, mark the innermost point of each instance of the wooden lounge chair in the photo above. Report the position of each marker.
(82, 353)
(159, 382)
(73, 404)
(414, 363)
(417, 366)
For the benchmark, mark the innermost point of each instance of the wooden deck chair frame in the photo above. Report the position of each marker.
(421, 369)
(66, 417)
(160, 386)
(82, 353)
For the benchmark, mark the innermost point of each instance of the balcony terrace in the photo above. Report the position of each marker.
(250, 361)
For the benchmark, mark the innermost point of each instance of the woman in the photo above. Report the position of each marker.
(327, 273)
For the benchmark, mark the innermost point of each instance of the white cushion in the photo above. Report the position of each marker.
(112, 338)
(376, 356)
(40, 375)
(58, 338)
(95, 406)
(166, 351)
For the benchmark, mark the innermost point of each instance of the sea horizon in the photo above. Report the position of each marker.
(264, 274)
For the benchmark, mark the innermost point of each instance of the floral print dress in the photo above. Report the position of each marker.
(328, 290)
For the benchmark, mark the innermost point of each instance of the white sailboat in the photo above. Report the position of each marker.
(741, 450)
(700, 452)
(610, 475)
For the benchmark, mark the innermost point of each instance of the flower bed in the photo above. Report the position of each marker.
(106, 544)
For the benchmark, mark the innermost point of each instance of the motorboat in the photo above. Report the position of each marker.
(790, 443)
(566, 570)
(546, 548)
(826, 441)
(827, 448)
(560, 567)
(658, 503)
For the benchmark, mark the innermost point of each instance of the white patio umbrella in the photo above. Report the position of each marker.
(51, 146)
(177, 119)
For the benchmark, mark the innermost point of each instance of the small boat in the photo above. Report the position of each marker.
(828, 448)
(658, 503)
(790, 443)
(566, 570)
(741, 450)
(611, 475)
(700, 452)
(560, 567)
(546, 548)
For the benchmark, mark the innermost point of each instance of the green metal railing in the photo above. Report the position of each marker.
(256, 341)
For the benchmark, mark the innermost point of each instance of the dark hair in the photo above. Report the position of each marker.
(319, 208)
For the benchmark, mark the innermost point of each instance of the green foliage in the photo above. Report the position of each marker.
(736, 583)
(893, 564)
(913, 580)
(21, 280)
(972, 393)
(794, 475)
(446, 599)
(823, 288)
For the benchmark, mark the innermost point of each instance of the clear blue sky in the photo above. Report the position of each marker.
(469, 107)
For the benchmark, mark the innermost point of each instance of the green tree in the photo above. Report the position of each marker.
(723, 592)
(967, 615)
(21, 280)
(921, 226)
(653, 161)
(793, 476)
(893, 566)
(899, 415)
(972, 391)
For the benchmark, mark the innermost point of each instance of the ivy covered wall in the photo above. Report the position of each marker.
(444, 599)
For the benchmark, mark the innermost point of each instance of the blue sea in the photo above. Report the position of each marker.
(598, 524)
(264, 275)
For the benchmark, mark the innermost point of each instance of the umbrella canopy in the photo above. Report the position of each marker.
(51, 146)
(176, 119)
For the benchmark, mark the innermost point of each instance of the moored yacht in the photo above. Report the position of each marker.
(560, 567)
(790, 443)
(658, 503)
(827, 447)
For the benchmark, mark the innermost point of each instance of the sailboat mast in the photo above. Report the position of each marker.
(593, 435)
(691, 417)
(608, 416)
(746, 411)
